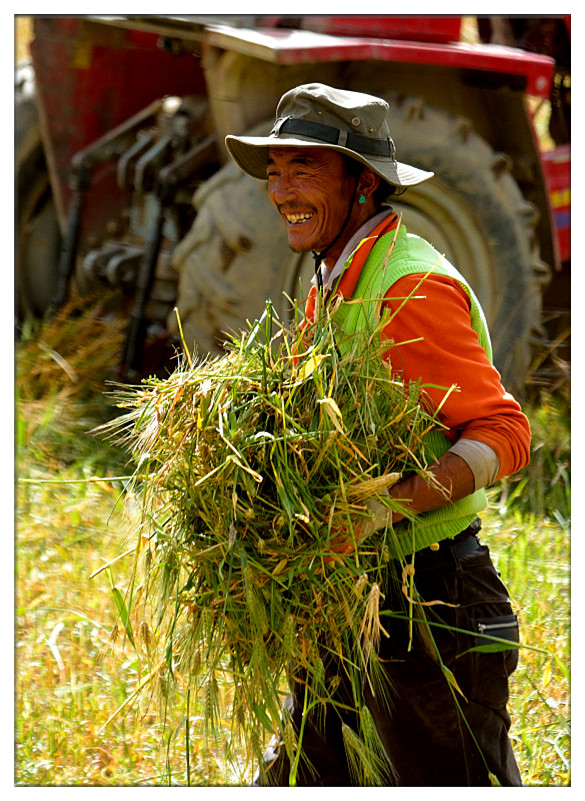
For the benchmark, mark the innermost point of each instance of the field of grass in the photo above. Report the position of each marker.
(77, 718)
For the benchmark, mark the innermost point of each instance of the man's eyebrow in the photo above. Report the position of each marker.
(304, 159)
(308, 161)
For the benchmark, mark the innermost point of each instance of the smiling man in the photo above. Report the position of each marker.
(331, 168)
(315, 196)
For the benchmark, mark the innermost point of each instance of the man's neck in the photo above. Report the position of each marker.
(330, 270)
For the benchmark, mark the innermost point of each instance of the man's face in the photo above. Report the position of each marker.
(312, 191)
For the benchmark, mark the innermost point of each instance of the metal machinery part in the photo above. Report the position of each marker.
(131, 187)
(161, 153)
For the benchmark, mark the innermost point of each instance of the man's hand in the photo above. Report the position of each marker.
(379, 517)
(452, 480)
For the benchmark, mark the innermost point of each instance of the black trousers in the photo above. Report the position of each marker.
(432, 736)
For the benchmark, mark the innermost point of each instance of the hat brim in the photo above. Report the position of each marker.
(251, 154)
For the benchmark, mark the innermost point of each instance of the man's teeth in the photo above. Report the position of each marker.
(298, 218)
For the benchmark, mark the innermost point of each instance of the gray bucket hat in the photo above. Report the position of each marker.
(315, 115)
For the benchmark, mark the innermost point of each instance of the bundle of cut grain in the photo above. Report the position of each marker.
(250, 464)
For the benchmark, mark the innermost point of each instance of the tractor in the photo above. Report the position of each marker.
(124, 185)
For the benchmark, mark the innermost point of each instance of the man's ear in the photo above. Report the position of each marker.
(368, 182)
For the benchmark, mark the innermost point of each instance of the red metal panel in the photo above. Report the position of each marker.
(89, 78)
(293, 46)
(417, 29)
(557, 172)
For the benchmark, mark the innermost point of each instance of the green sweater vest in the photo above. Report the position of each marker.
(411, 254)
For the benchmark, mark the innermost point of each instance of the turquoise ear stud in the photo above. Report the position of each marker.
(362, 199)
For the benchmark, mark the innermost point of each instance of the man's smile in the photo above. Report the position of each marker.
(296, 218)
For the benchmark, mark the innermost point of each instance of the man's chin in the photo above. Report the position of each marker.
(298, 248)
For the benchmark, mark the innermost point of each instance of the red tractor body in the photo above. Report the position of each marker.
(103, 85)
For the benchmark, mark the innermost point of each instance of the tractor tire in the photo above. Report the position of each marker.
(473, 212)
(38, 236)
(236, 255)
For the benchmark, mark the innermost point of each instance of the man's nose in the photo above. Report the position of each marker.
(282, 189)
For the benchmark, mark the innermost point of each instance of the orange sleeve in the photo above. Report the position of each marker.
(446, 352)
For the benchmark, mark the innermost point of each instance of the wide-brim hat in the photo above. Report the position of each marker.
(318, 116)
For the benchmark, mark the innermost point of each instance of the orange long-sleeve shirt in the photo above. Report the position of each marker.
(446, 352)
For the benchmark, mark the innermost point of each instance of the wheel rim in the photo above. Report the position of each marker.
(436, 213)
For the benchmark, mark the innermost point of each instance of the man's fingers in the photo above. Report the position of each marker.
(340, 545)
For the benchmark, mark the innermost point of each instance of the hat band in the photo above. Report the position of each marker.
(334, 136)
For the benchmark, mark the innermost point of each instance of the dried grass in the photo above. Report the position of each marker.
(248, 465)
(69, 354)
